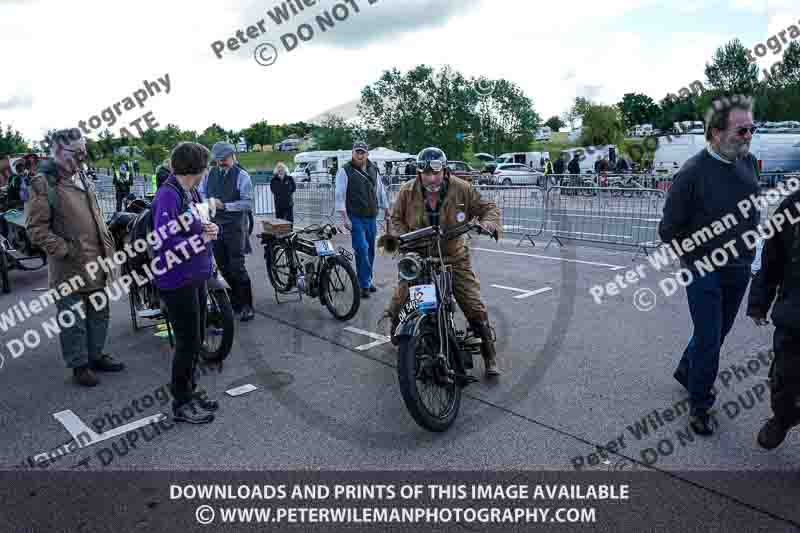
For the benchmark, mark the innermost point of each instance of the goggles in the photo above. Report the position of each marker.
(434, 165)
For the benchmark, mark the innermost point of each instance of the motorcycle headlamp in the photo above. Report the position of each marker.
(410, 267)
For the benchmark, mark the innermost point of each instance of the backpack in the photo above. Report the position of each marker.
(143, 225)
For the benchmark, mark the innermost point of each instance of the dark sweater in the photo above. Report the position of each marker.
(704, 191)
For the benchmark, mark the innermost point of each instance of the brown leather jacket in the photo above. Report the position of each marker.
(77, 235)
(461, 204)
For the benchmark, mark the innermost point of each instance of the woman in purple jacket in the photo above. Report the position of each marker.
(184, 257)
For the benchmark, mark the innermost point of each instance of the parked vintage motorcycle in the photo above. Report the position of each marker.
(16, 250)
(145, 302)
(433, 355)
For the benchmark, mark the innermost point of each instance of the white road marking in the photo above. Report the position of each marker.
(78, 429)
(379, 339)
(525, 294)
(612, 267)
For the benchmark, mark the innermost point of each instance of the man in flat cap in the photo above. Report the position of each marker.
(230, 189)
(359, 196)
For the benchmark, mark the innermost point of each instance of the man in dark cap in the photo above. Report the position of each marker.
(229, 188)
(359, 196)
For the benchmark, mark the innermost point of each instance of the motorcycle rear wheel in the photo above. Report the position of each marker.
(418, 392)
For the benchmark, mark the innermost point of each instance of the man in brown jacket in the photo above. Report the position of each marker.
(437, 198)
(68, 224)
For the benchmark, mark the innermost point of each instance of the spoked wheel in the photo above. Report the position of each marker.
(432, 399)
(339, 289)
(219, 327)
(279, 269)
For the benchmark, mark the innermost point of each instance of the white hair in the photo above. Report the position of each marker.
(282, 165)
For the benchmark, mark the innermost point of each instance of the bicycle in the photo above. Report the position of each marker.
(312, 266)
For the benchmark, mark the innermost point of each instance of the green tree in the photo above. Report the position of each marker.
(258, 133)
(212, 135)
(554, 123)
(155, 153)
(334, 134)
(577, 111)
(602, 125)
(637, 109)
(11, 141)
(107, 143)
(731, 71)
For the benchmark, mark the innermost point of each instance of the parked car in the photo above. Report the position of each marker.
(462, 170)
(516, 174)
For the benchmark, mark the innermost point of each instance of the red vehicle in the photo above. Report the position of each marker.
(462, 170)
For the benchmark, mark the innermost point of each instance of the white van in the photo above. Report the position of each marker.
(543, 134)
(530, 159)
(774, 152)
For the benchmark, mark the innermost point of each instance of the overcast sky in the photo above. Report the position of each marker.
(66, 61)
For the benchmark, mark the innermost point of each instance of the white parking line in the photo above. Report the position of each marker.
(379, 339)
(525, 294)
(612, 267)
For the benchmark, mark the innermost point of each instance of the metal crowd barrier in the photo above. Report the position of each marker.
(607, 215)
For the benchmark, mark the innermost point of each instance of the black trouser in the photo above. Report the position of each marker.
(784, 376)
(285, 213)
(186, 308)
(229, 254)
(121, 195)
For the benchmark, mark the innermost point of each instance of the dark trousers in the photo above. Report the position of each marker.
(229, 251)
(121, 195)
(285, 213)
(784, 376)
(713, 304)
(186, 308)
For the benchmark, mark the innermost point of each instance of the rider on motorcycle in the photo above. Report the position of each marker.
(436, 197)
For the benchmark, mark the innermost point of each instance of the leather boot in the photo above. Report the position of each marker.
(484, 331)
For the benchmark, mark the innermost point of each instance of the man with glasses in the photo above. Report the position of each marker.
(705, 192)
(437, 198)
(65, 220)
(359, 196)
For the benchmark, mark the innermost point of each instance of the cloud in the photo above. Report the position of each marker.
(24, 101)
(591, 92)
(370, 23)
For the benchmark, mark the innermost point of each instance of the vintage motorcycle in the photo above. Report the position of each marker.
(16, 250)
(433, 355)
(145, 302)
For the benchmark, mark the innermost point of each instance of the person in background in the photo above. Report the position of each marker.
(231, 189)
(574, 166)
(777, 280)
(183, 286)
(706, 190)
(122, 185)
(359, 195)
(558, 166)
(73, 233)
(135, 167)
(548, 167)
(113, 170)
(622, 165)
(283, 188)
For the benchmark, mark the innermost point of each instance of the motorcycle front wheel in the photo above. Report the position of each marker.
(433, 404)
(219, 327)
(339, 289)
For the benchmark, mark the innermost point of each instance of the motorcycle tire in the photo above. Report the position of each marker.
(329, 283)
(4, 267)
(278, 256)
(407, 377)
(220, 317)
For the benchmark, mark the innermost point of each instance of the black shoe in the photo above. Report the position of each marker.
(247, 314)
(702, 423)
(772, 434)
(681, 378)
(203, 401)
(84, 376)
(190, 413)
(106, 363)
(373, 288)
(365, 293)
